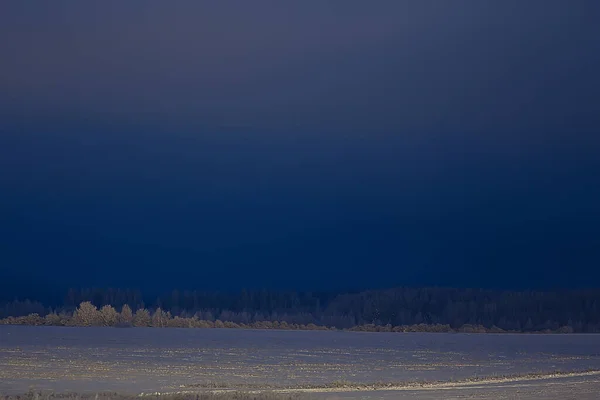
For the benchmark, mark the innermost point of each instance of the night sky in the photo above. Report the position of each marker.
(304, 145)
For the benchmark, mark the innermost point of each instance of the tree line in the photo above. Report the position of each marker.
(398, 309)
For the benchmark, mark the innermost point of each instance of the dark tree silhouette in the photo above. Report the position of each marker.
(399, 309)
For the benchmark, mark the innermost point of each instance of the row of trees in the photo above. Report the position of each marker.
(569, 310)
(87, 315)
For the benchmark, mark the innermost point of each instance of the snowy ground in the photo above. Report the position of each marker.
(168, 360)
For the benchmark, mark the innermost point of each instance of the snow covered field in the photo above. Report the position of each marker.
(166, 360)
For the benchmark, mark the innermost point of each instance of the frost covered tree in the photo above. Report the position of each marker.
(53, 319)
(108, 315)
(126, 316)
(141, 318)
(86, 315)
(160, 318)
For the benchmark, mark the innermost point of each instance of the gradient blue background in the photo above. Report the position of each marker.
(305, 145)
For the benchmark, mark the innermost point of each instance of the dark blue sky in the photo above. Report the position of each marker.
(307, 145)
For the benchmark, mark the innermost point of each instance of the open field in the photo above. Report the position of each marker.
(316, 364)
(550, 388)
(576, 387)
